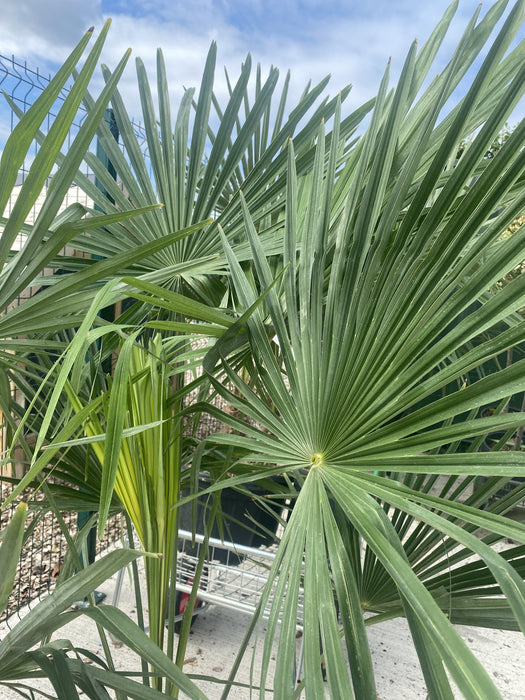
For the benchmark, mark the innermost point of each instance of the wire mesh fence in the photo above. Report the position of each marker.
(22, 86)
(43, 554)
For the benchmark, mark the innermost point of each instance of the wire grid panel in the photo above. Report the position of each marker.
(234, 576)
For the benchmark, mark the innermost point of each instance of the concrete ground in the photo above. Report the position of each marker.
(218, 632)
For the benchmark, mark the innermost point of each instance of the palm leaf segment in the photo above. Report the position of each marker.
(376, 335)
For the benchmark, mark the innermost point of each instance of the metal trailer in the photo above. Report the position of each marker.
(234, 576)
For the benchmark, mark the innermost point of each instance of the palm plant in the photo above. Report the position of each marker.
(359, 316)
(371, 394)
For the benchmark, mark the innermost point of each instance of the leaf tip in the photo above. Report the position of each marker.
(22, 509)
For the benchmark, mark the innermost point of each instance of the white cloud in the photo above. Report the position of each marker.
(351, 53)
(350, 40)
(33, 29)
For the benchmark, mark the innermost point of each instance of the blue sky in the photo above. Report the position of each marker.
(350, 39)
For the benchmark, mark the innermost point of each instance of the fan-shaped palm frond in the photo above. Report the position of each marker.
(195, 164)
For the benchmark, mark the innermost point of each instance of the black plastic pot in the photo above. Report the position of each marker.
(245, 521)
